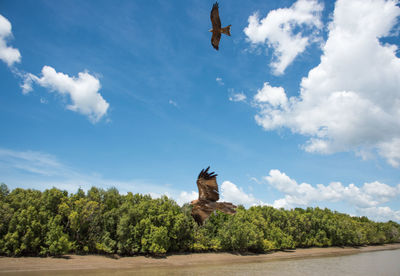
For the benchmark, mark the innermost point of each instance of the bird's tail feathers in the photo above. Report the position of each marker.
(226, 30)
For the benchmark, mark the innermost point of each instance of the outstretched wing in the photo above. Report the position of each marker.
(216, 22)
(202, 210)
(207, 184)
(216, 26)
(215, 39)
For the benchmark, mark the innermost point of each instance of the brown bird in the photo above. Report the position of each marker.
(208, 197)
(216, 27)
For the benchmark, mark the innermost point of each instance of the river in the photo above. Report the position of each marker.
(369, 263)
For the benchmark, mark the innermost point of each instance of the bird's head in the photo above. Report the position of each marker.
(193, 202)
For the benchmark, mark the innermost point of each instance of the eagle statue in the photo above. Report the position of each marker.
(216, 27)
(208, 197)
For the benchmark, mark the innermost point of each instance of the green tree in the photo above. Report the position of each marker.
(56, 240)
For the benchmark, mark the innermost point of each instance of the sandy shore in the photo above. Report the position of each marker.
(94, 262)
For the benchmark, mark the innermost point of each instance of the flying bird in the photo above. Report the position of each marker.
(216, 27)
(208, 197)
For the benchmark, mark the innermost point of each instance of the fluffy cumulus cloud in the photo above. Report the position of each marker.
(366, 199)
(185, 197)
(390, 149)
(232, 193)
(287, 31)
(82, 90)
(351, 100)
(274, 96)
(380, 213)
(8, 54)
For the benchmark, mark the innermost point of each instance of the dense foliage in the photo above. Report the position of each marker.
(54, 222)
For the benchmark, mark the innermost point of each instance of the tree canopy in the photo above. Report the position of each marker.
(53, 222)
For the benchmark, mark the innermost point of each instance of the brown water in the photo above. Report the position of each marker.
(370, 263)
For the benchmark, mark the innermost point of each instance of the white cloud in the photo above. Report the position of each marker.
(171, 102)
(237, 97)
(185, 197)
(231, 193)
(380, 213)
(82, 90)
(383, 191)
(274, 96)
(219, 81)
(390, 150)
(351, 100)
(279, 31)
(29, 161)
(28, 80)
(366, 197)
(8, 54)
(272, 103)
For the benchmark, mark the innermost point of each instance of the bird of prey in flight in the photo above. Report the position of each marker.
(216, 27)
(208, 197)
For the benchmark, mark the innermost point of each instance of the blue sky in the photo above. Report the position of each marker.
(299, 107)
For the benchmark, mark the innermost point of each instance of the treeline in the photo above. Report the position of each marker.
(54, 222)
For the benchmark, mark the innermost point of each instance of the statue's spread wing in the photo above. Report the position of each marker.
(207, 184)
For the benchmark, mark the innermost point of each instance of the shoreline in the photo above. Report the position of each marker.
(96, 262)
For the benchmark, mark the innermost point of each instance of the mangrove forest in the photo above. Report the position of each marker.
(54, 222)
